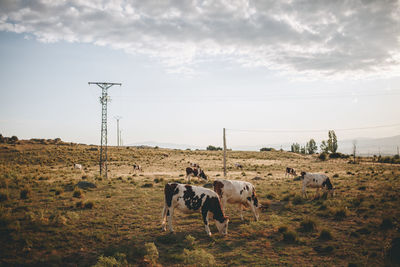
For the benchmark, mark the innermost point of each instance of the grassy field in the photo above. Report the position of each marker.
(46, 219)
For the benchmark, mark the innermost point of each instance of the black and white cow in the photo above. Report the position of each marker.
(237, 192)
(239, 166)
(137, 167)
(188, 198)
(290, 171)
(195, 173)
(316, 180)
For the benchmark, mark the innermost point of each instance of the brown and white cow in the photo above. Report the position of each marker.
(195, 173)
(290, 171)
(189, 198)
(316, 180)
(237, 192)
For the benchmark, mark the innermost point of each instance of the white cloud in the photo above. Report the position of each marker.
(320, 38)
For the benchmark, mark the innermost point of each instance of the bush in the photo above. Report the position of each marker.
(297, 200)
(340, 213)
(198, 257)
(25, 193)
(322, 156)
(308, 225)
(88, 205)
(267, 149)
(78, 193)
(387, 223)
(59, 191)
(4, 195)
(151, 253)
(325, 235)
(282, 229)
(290, 236)
(393, 253)
(190, 241)
(147, 185)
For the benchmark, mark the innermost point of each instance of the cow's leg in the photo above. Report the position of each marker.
(317, 192)
(205, 215)
(241, 211)
(170, 213)
(304, 193)
(164, 217)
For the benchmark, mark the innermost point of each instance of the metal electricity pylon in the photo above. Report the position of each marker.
(118, 132)
(103, 101)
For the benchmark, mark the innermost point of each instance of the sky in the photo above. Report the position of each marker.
(283, 71)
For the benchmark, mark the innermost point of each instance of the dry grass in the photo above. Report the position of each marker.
(118, 222)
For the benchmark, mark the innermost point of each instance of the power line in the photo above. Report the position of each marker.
(311, 130)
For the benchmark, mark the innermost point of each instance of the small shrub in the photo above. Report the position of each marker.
(340, 213)
(158, 180)
(78, 193)
(297, 200)
(290, 236)
(243, 174)
(282, 229)
(106, 262)
(151, 253)
(308, 225)
(198, 257)
(393, 253)
(323, 249)
(387, 223)
(25, 193)
(322, 156)
(4, 195)
(190, 241)
(325, 235)
(147, 185)
(335, 175)
(79, 204)
(88, 205)
(59, 191)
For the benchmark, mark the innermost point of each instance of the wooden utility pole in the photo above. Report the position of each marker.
(224, 154)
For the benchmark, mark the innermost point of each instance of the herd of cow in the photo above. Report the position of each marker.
(211, 204)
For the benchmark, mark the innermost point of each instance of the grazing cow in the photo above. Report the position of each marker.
(77, 166)
(137, 167)
(290, 171)
(188, 198)
(195, 173)
(316, 180)
(237, 192)
(239, 166)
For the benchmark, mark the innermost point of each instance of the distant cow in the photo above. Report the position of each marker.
(290, 171)
(195, 173)
(316, 180)
(239, 166)
(188, 198)
(237, 192)
(77, 166)
(137, 167)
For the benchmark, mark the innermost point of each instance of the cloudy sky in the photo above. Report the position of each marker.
(284, 71)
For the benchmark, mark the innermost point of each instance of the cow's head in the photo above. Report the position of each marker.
(328, 185)
(203, 175)
(302, 174)
(222, 225)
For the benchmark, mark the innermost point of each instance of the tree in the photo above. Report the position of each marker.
(324, 147)
(303, 150)
(13, 139)
(332, 142)
(354, 150)
(295, 148)
(311, 146)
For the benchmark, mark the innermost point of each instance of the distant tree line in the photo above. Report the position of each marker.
(8, 140)
(328, 147)
(213, 148)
